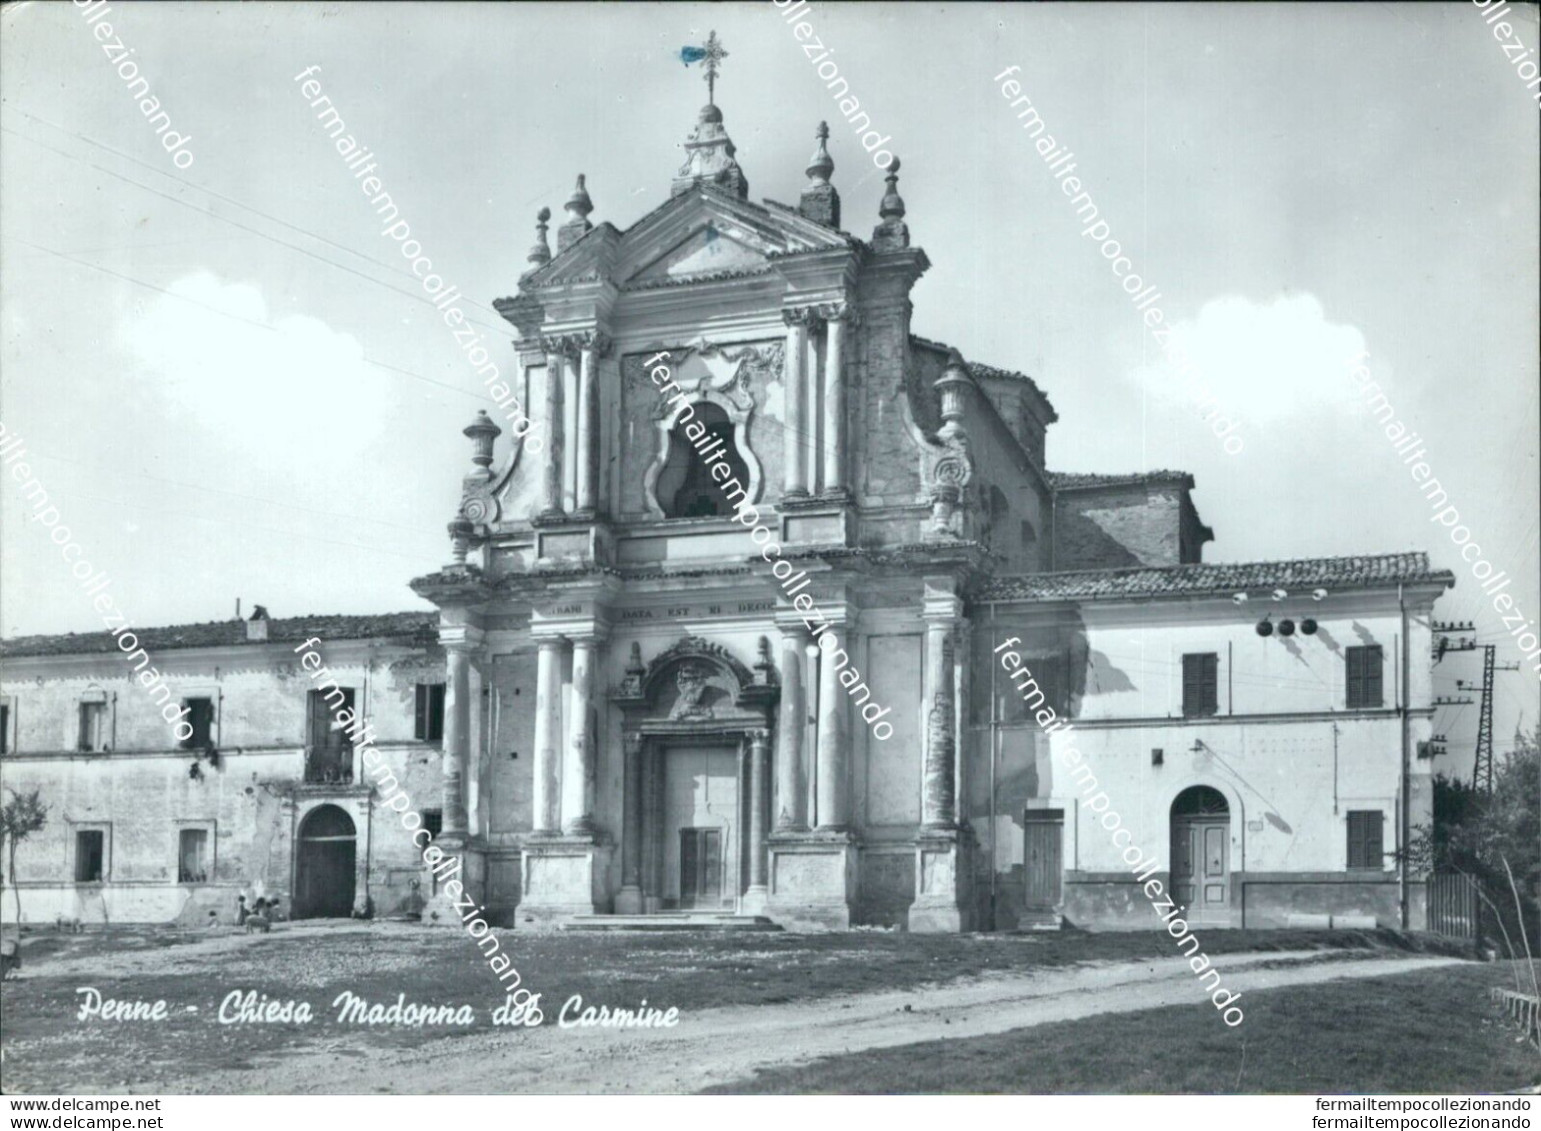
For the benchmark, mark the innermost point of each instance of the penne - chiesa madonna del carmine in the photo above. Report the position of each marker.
(615, 708)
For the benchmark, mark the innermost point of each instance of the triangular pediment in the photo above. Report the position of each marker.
(707, 233)
(703, 233)
(706, 251)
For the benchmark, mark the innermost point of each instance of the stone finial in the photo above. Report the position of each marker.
(954, 382)
(709, 158)
(578, 208)
(540, 251)
(821, 165)
(892, 233)
(820, 202)
(951, 463)
(481, 432)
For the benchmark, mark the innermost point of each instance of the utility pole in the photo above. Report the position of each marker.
(1482, 766)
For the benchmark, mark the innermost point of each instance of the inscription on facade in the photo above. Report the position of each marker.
(683, 612)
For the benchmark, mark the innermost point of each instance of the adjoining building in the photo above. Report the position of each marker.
(619, 708)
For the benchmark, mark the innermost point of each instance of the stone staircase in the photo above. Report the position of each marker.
(671, 921)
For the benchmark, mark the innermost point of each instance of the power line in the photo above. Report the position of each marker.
(257, 232)
(394, 269)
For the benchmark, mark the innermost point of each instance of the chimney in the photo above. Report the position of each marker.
(257, 625)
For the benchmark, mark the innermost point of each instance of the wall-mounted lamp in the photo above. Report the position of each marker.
(1308, 626)
(1156, 756)
(1265, 627)
(1286, 627)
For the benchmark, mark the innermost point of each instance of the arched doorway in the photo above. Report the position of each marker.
(1201, 855)
(323, 876)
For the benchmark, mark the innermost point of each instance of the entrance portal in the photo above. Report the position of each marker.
(323, 875)
(1201, 851)
(701, 828)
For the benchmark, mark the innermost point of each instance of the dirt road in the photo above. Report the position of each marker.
(719, 1046)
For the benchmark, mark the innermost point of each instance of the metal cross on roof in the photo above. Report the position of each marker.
(714, 55)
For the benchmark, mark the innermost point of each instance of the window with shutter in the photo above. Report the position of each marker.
(1366, 846)
(1363, 667)
(1201, 695)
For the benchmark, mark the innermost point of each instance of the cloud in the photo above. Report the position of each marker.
(216, 359)
(1263, 361)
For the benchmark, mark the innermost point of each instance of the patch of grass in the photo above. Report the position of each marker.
(47, 1049)
(1431, 1031)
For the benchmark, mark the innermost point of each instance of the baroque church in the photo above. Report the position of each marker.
(622, 709)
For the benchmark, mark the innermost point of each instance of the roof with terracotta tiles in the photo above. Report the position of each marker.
(405, 628)
(1076, 480)
(1376, 571)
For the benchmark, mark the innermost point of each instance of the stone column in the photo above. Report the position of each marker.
(759, 789)
(579, 773)
(834, 405)
(551, 481)
(791, 789)
(457, 735)
(834, 736)
(796, 484)
(811, 406)
(572, 437)
(652, 825)
(628, 901)
(548, 735)
(938, 802)
(962, 694)
(588, 429)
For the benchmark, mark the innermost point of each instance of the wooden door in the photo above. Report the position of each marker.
(701, 868)
(1042, 861)
(1201, 873)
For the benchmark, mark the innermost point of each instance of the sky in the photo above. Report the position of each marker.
(231, 386)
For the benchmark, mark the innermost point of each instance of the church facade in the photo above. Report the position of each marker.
(731, 642)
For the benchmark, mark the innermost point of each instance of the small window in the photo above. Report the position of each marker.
(1365, 848)
(324, 731)
(193, 856)
(1029, 535)
(1201, 694)
(1363, 667)
(90, 855)
(687, 487)
(200, 716)
(430, 712)
(5, 728)
(93, 726)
